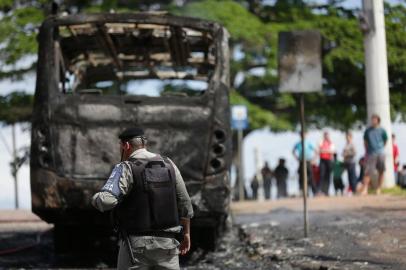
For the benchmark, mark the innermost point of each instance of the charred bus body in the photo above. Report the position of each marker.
(98, 74)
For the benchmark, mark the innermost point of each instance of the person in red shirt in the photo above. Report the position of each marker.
(326, 151)
(395, 157)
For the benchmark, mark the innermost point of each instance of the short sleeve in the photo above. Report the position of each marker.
(113, 183)
(384, 135)
(116, 187)
(295, 147)
(366, 134)
(311, 146)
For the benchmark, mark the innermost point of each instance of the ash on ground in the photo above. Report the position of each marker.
(365, 238)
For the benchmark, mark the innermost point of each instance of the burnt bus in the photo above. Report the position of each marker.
(98, 74)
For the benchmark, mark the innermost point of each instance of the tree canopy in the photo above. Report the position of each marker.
(16, 107)
(254, 27)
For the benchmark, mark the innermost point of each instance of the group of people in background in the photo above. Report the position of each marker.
(319, 177)
(319, 174)
(280, 173)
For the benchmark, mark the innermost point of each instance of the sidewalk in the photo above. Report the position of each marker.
(321, 204)
(21, 221)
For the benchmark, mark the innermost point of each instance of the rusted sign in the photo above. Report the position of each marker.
(300, 61)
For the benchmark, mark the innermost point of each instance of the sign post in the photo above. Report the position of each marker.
(239, 121)
(300, 72)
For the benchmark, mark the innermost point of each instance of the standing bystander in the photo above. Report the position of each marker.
(338, 168)
(267, 178)
(254, 187)
(395, 157)
(309, 155)
(326, 150)
(375, 138)
(349, 162)
(361, 164)
(402, 177)
(281, 175)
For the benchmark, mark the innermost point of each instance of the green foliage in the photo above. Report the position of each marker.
(254, 28)
(18, 30)
(16, 107)
(6, 4)
(396, 42)
(242, 25)
(342, 103)
(258, 117)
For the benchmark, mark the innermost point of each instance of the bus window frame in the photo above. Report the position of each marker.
(195, 24)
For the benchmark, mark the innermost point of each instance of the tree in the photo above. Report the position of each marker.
(254, 27)
(16, 108)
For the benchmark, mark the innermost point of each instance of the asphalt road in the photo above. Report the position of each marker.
(345, 233)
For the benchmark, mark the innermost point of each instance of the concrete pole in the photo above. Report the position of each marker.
(376, 73)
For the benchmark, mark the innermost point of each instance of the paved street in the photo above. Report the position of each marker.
(345, 233)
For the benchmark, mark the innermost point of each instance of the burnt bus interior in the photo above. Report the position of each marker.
(116, 58)
(98, 74)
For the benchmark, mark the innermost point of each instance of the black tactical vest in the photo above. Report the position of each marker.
(151, 204)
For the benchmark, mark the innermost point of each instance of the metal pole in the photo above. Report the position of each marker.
(376, 74)
(304, 169)
(241, 196)
(14, 169)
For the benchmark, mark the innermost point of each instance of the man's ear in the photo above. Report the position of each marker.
(127, 146)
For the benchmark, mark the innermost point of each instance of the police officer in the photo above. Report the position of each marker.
(151, 206)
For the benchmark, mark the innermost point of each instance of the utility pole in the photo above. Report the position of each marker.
(376, 74)
(241, 182)
(14, 165)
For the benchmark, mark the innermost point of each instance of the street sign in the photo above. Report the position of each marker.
(299, 71)
(239, 117)
(299, 57)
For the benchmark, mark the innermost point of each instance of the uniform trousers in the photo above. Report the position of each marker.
(150, 253)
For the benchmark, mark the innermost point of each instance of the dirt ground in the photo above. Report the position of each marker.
(345, 233)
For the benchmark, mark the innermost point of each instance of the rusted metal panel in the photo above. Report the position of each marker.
(299, 55)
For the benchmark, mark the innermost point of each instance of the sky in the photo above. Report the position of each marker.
(271, 146)
(6, 180)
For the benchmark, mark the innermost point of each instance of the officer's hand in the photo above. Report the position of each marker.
(185, 245)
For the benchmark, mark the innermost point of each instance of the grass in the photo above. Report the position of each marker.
(394, 191)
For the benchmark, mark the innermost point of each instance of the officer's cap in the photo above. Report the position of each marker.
(130, 133)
